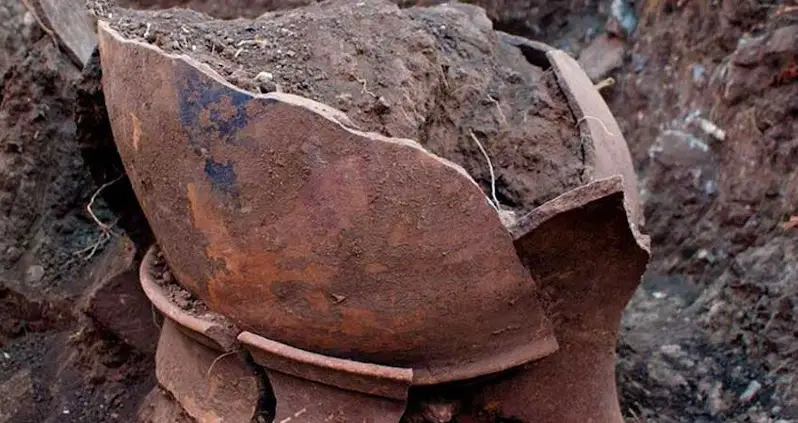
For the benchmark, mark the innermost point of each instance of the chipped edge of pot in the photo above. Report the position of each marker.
(598, 128)
(203, 331)
(371, 379)
(576, 198)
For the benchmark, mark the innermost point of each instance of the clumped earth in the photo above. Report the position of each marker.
(710, 336)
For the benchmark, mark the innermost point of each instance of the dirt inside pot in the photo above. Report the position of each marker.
(438, 75)
(182, 298)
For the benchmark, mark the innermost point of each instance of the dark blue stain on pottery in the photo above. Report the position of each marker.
(226, 108)
(221, 175)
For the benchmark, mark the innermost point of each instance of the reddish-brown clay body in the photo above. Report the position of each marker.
(304, 401)
(323, 238)
(601, 135)
(211, 386)
(588, 259)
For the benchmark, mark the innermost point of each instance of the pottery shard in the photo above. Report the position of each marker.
(115, 300)
(159, 407)
(70, 22)
(306, 232)
(303, 401)
(211, 386)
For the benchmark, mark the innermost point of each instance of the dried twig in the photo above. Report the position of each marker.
(44, 27)
(495, 202)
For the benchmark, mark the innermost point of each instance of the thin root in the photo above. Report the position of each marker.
(365, 89)
(499, 108)
(44, 27)
(216, 360)
(105, 230)
(783, 10)
(101, 240)
(605, 83)
(103, 226)
(586, 117)
(495, 202)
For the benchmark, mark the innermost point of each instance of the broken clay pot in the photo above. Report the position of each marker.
(311, 234)
(304, 232)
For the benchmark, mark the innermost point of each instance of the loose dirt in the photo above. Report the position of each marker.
(184, 299)
(437, 75)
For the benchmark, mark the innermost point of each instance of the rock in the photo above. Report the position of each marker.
(665, 375)
(622, 17)
(69, 20)
(673, 352)
(604, 55)
(685, 157)
(751, 391)
(752, 50)
(34, 273)
(115, 300)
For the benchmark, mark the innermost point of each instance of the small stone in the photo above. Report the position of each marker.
(672, 351)
(665, 375)
(751, 391)
(265, 81)
(382, 106)
(28, 19)
(604, 55)
(34, 273)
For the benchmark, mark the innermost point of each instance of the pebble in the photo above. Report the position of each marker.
(34, 273)
(751, 391)
(672, 351)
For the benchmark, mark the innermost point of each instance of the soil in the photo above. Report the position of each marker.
(436, 75)
(709, 337)
(176, 293)
(187, 301)
(55, 365)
